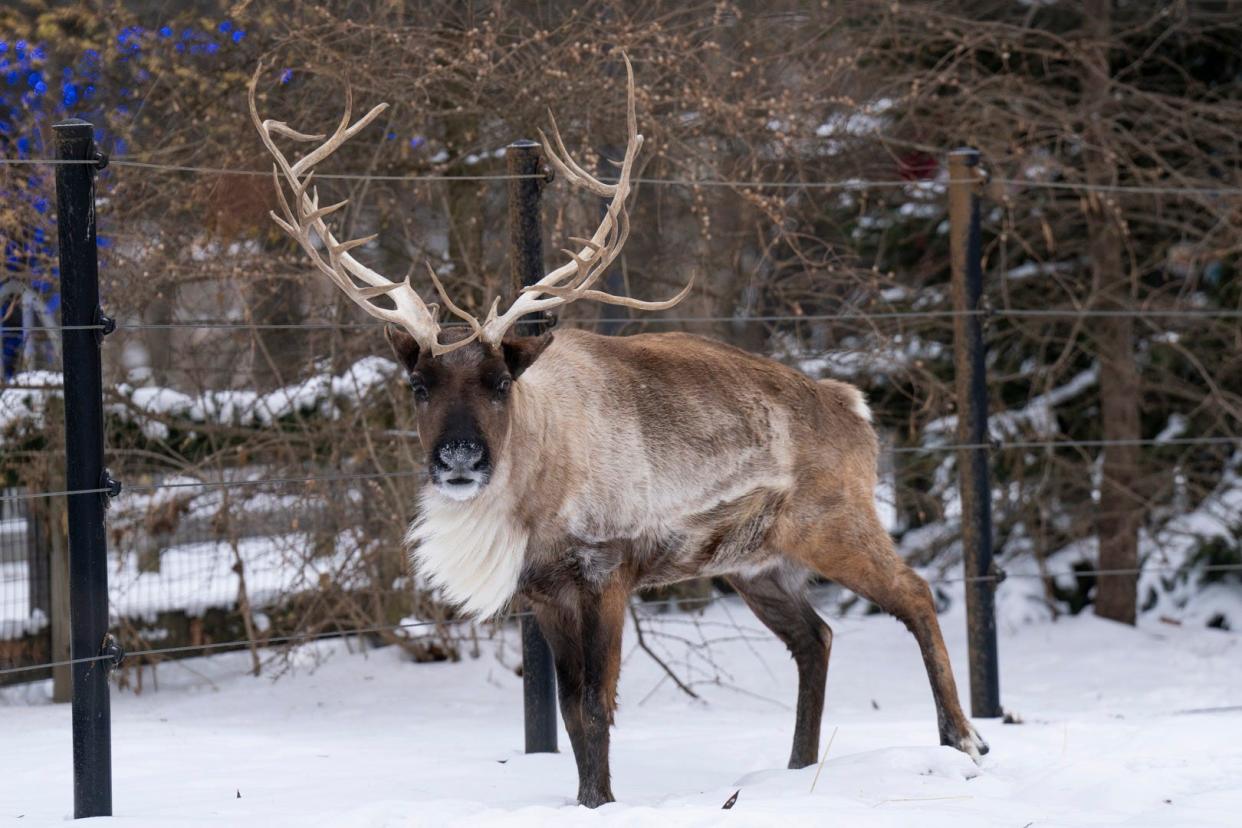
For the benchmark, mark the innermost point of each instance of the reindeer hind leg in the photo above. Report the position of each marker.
(856, 552)
(778, 599)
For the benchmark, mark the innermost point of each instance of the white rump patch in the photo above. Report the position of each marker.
(472, 550)
(858, 403)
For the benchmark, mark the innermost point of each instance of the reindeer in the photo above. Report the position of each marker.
(572, 469)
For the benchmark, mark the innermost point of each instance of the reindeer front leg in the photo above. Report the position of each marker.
(603, 618)
(584, 629)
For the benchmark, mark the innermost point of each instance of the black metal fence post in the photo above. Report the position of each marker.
(525, 158)
(966, 255)
(83, 383)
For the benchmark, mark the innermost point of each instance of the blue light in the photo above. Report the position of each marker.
(69, 94)
(41, 205)
(212, 48)
(4, 46)
(166, 31)
(238, 35)
(20, 46)
(417, 141)
(286, 76)
(392, 136)
(23, 145)
(226, 27)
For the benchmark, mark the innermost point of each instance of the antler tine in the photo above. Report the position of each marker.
(281, 128)
(631, 101)
(567, 166)
(612, 299)
(476, 328)
(564, 162)
(302, 215)
(574, 280)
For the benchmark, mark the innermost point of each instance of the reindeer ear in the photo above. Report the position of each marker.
(521, 351)
(403, 345)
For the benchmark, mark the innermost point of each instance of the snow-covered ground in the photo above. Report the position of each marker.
(1121, 727)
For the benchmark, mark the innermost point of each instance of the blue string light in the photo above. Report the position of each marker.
(36, 93)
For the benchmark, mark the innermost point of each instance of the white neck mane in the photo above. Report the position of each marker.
(472, 550)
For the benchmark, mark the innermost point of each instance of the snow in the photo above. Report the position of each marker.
(855, 124)
(853, 362)
(1031, 269)
(1038, 417)
(1122, 727)
(23, 401)
(24, 398)
(196, 577)
(320, 393)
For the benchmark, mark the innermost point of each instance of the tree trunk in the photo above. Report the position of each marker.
(1120, 511)
(159, 342)
(1120, 508)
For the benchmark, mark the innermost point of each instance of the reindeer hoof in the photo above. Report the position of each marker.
(593, 799)
(973, 745)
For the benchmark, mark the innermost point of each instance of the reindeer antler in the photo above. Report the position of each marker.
(570, 282)
(302, 215)
(574, 280)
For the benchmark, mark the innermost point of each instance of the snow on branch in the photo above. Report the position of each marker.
(23, 403)
(1038, 417)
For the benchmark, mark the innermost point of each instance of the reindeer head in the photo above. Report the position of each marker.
(463, 402)
(463, 384)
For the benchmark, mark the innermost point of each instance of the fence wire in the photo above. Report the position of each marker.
(844, 184)
(998, 445)
(690, 604)
(848, 316)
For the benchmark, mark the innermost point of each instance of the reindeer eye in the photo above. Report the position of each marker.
(420, 388)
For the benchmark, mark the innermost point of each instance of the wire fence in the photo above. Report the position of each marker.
(689, 603)
(19, 500)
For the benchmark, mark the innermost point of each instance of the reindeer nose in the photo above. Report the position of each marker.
(461, 456)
